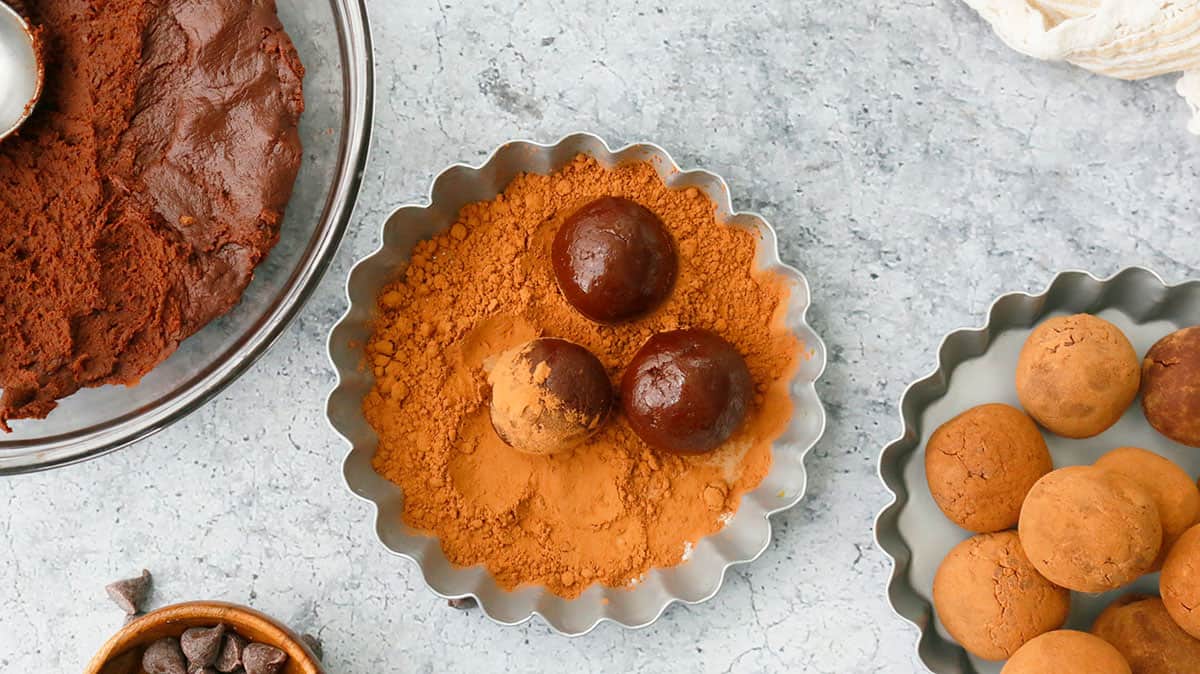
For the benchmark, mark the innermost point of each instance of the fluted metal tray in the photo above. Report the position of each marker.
(977, 366)
(745, 536)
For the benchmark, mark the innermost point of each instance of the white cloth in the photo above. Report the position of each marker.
(1129, 39)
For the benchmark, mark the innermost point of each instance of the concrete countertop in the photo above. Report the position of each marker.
(915, 169)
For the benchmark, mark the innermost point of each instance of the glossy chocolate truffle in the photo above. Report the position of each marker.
(686, 391)
(1067, 652)
(548, 396)
(1090, 530)
(1077, 375)
(1180, 581)
(614, 260)
(990, 598)
(982, 463)
(1172, 489)
(1171, 386)
(1142, 630)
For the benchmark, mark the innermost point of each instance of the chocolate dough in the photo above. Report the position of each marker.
(149, 183)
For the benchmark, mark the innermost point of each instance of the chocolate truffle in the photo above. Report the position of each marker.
(613, 260)
(1141, 629)
(980, 465)
(1174, 493)
(990, 598)
(548, 396)
(686, 391)
(1077, 375)
(1179, 583)
(1089, 529)
(1171, 386)
(1067, 652)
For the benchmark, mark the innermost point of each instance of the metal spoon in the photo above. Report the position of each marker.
(21, 74)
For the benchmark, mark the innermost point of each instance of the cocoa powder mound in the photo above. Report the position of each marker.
(611, 509)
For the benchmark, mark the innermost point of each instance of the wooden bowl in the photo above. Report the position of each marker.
(123, 652)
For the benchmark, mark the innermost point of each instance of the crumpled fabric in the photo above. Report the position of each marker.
(1127, 39)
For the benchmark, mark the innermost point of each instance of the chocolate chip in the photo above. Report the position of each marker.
(263, 659)
(461, 603)
(230, 657)
(314, 645)
(201, 645)
(164, 657)
(130, 593)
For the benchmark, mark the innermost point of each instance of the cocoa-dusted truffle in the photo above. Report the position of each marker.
(1067, 652)
(1179, 583)
(1089, 529)
(548, 396)
(1174, 493)
(1077, 375)
(1171, 386)
(1141, 629)
(614, 260)
(686, 391)
(990, 598)
(980, 465)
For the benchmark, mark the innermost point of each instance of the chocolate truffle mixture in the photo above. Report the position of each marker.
(149, 183)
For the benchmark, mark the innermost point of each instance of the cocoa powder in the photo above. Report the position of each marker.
(611, 509)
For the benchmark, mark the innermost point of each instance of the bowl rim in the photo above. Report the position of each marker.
(355, 43)
(233, 615)
(885, 530)
(11, 14)
(769, 244)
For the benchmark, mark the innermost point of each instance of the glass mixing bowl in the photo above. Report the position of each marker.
(333, 39)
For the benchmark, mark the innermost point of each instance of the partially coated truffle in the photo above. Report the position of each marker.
(1077, 375)
(1142, 630)
(1067, 652)
(548, 396)
(1179, 583)
(992, 600)
(1174, 493)
(1089, 529)
(614, 260)
(982, 463)
(1171, 386)
(686, 391)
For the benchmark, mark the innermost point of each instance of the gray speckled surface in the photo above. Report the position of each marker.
(914, 167)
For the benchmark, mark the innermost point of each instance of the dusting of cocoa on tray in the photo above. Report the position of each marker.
(611, 509)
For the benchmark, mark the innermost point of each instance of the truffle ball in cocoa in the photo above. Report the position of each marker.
(613, 260)
(686, 391)
(1171, 386)
(982, 463)
(1067, 652)
(1090, 530)
(548, 396)
(1141, 629)
(1179, 583)
(1076, 375)
(1172, 489)
(992, 600)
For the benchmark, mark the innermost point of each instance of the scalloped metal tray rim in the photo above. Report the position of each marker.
(769, 244)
